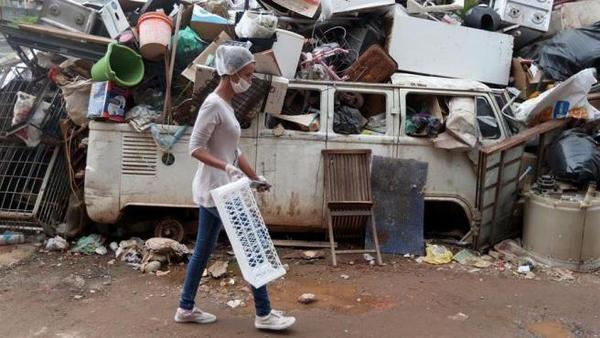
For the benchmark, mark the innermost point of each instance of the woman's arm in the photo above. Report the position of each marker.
(204, 156)
(247, 168)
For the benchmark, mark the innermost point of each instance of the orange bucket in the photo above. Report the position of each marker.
(155, 30)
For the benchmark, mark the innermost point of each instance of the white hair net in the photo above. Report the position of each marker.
(230, 59)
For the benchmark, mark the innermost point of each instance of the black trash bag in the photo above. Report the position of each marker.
(574, 156)
(569, 52)
(347, 120)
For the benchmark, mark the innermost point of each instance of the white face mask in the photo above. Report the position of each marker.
(241, 86)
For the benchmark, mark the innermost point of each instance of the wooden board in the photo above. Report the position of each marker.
(100, 40)
(300, 244)
(308, 121)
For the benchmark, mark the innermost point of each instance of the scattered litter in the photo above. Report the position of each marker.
(312, 254)
(307, 298)
(151, 267)
(10, 237)
(562, 274)
(218, 269)
(368, 257)
(111, 262)
(101, 250)
(346, 277)
(78, 296)
(57, 243)
(88, 245)
(523, 269)
(160, 273)
(130, 251)
(234, 303)
(114, 246)
(530, 275)
(461, 317)
(437, 254)
(467, 257)
(286, 267)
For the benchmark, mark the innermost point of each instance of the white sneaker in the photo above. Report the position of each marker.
(274, 321)
(194, 316)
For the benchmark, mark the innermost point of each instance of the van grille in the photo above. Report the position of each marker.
(139, 155)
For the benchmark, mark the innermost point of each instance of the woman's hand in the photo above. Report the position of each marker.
(234, 172)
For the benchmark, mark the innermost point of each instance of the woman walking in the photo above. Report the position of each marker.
(214, 142)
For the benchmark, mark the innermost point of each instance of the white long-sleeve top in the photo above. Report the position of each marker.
(218, 131)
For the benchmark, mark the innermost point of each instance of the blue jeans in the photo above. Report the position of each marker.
(206, 241)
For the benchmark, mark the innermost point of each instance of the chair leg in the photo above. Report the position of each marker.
(375, 239)
(331, 239)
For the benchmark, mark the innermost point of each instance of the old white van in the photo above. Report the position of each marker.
(126, 168)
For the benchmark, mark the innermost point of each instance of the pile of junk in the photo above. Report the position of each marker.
(147, 65)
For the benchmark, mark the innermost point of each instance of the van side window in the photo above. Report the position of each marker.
(359, 113)
(301, 111)
(426, 114)
(486, 119)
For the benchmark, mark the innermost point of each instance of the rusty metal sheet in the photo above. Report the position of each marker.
(399, 208)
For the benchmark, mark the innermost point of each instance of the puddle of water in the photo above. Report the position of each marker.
(550, 330)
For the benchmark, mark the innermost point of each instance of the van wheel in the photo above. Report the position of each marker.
(169, 228)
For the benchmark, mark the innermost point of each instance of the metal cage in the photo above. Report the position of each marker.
(34, 187)
(14, 80)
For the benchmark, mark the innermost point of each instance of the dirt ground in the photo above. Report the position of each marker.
(63, 295)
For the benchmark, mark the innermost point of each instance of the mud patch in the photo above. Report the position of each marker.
(13, 254)
(340, 296)
(550, 330)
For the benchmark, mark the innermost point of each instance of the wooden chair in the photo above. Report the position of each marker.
(348, 196)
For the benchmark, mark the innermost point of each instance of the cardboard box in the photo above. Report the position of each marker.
(209, 26)
(266, 63)
(526, 79)
(190, 72)
(108, 102)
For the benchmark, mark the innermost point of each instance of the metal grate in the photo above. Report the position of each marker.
(34, 188)
(15, 79)
(138, 155)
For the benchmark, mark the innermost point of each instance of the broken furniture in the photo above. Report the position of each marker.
(498, 178)
(349, 203)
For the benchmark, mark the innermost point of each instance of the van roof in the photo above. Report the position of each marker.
(411, 81)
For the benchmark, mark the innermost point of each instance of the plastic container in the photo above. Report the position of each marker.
(155, 33)
(121, 65)
(247, 232)
(287, 49)
(9, 238)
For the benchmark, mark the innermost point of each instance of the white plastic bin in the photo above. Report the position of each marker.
(247, 233)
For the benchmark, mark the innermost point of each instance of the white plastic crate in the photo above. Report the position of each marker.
(247, 233)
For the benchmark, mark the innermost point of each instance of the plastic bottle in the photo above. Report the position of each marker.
(8, 238)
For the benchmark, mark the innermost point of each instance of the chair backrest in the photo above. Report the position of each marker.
(347, 175)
